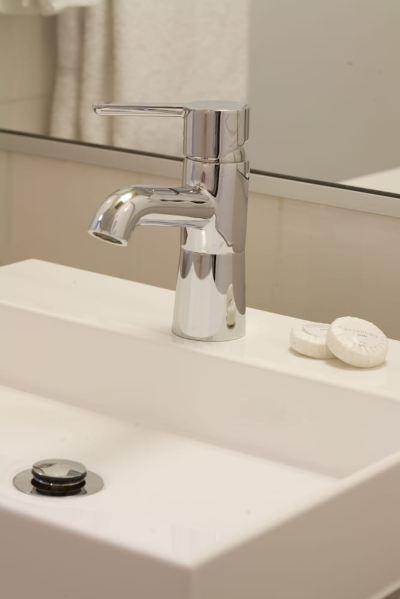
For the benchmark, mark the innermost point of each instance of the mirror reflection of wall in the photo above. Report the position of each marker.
(141, 50)
(27, 65)
(324, 87)
(321, 76)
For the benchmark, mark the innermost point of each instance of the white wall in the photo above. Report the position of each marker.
(325, 87)
(27, 62)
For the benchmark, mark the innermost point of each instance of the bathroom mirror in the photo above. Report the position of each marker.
(321, 77)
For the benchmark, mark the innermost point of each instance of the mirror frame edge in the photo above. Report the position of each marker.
(270, 184)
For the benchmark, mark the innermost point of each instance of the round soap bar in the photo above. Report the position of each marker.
(357, 342)
(309, 339)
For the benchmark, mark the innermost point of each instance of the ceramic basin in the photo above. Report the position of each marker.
(232, 470)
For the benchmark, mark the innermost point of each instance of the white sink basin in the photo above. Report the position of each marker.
(232, 471)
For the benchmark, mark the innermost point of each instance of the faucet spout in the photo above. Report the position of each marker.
(126, 208)
(210, 209)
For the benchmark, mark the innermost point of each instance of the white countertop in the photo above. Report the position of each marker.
(106, 302)
(222, 462)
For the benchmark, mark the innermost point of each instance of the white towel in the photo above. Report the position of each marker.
(176, 51)
(52, 7)
(40, 7)
(96, 73)
(64, 120)
(154, 51)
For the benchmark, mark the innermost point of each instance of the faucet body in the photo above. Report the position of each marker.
(211, 210)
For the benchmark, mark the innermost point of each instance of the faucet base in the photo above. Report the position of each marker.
(218, 338)
(210, 297)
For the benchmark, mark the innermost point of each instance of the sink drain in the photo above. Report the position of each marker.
(58, 478)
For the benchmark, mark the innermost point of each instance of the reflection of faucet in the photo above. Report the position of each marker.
(210, 208)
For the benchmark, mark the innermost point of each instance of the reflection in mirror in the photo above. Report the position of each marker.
(139, 51)
(321, 77)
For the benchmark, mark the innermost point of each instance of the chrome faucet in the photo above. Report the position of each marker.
(210, 208)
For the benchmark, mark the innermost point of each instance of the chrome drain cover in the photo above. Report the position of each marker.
(58, 478)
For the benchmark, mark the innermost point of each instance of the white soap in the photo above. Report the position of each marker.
(309, 339)
(357, 342)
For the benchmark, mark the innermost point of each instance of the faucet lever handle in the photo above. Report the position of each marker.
(118, 109)
(213, 130)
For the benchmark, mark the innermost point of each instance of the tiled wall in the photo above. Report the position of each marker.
(307, 260)
(27, 55)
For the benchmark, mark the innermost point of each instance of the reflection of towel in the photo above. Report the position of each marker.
(40, 7)
(96, 80)
(64, 117)
(147, 51)
(51, 7)
(82, 74)
(176, 51)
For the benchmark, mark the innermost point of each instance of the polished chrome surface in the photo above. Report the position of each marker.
(140, 109)
(59, 470)
(124, 209)
(212, 130)
(58, 478)
(210, 208)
